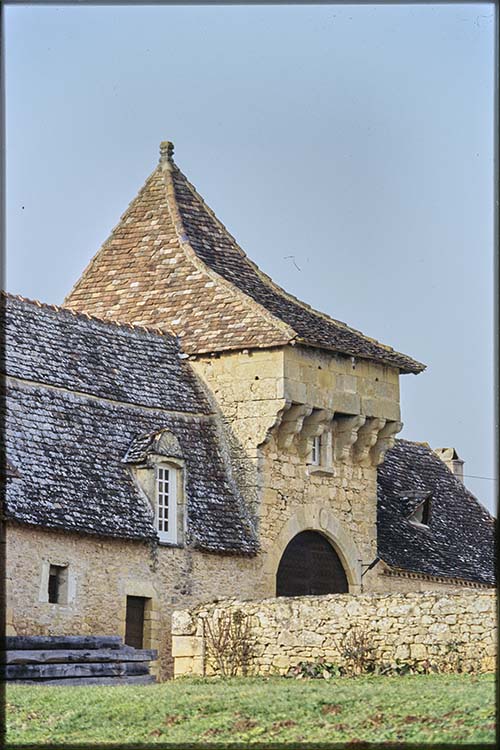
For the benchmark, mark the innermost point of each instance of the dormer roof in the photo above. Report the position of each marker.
(170, 263)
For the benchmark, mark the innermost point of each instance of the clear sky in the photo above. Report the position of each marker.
(349, 149)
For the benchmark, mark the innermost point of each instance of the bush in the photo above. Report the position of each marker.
(228, 643)
(314, 669)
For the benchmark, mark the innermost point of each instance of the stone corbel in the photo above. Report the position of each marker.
(313, 426)
(345, 433)
(291, 424)
(367, 437)
(276, 422)
(385, 440)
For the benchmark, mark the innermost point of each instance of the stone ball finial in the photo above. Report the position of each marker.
(166, 151)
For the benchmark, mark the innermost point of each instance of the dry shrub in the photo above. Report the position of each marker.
(228, 643)
(358, 651)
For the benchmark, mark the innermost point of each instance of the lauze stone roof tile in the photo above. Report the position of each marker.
(171, 263)
(460, 539)
(103, 360)
(78, 395)
(84, 398)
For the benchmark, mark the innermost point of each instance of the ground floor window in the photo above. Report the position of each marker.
(58, 584)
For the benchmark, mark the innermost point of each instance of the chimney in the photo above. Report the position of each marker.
(450, 457)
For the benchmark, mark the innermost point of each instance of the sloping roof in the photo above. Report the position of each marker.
(171, 263)
(50, 344)
(79, 392)
(460, 539)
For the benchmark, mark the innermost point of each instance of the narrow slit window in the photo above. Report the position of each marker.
(316, 451)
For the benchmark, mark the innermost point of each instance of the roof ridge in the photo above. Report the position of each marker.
(422, 443)
(167, 166)
(81, 314)
(270, 281)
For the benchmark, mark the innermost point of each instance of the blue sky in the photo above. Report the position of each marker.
(356, 139)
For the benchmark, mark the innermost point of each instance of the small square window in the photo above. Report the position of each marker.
(58, 584)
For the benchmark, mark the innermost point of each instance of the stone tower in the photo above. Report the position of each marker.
(309, 405)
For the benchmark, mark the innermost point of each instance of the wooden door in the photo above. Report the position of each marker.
(134, 624)
(310, 565)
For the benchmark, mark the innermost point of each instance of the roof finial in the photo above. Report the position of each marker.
(166, 152)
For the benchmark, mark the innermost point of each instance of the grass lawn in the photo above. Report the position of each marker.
(411, 708)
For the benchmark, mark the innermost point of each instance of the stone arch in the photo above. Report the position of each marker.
(310, 566)
(323, 520)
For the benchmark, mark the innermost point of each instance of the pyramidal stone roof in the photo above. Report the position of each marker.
(170, 263)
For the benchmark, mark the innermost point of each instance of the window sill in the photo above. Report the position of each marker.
(321, 469)
(168, 543)
(418, 525)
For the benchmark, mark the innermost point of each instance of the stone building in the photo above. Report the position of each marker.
(183, 430)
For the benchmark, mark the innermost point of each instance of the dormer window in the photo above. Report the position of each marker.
(316, 450)
(157, 466)
(421, 514)
(166, 503)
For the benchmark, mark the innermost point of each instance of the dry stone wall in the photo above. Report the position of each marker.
(453, 631)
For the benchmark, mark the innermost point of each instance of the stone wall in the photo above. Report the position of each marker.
(272, 403)
(454, 630)
(102, 573)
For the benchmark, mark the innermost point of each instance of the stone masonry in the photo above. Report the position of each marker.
(274, 420)
(451, 631)
(272, 404)
(102, 573)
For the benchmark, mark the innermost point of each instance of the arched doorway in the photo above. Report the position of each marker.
(310, 565)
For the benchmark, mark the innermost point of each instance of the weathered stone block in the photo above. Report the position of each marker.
(187, 645)
(418, 651)
(182, 623)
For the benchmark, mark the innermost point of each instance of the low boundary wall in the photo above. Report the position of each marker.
(454, 631)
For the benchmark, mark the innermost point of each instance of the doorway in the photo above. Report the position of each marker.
(309, 566)
(134, 621)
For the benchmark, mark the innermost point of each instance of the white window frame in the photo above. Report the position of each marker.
(170, 533)
(316, 450)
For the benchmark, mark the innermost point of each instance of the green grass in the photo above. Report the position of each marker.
(413, 708)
